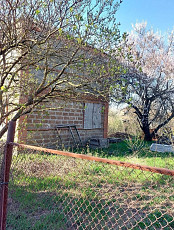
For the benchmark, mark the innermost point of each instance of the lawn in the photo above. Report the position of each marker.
(58, 192)
(133, 151)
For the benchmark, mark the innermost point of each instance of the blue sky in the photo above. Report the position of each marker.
(159, 14)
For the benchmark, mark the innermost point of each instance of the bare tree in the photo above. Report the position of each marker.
(63, 43)
(147, 82)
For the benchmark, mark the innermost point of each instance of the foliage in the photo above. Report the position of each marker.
(115, 123)
(52, 48)
(148, 84)
(123, 121)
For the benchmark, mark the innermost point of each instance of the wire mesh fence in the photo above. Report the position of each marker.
(48, 191)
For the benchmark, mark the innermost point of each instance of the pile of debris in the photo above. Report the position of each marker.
(165, 140)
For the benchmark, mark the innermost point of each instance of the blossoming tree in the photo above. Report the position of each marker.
(147, 85)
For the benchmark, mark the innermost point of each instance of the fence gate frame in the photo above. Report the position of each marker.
(5, 173)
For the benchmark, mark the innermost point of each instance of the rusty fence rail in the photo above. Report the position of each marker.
(51, 189)
(163, 171)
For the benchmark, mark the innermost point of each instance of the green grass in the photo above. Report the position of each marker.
(136, 151)
(66, 193)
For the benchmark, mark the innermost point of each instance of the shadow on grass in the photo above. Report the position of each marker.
(42, 210)
(87, 200)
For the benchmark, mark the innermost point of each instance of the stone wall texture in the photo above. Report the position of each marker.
(38, 128)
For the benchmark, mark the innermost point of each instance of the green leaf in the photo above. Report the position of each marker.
(37, 68)
(60, 31)
(74, 27)
(4, 89)
(37, 12)
(140, 69)
(79, 40)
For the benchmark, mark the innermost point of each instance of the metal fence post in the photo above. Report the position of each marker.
(5, 174)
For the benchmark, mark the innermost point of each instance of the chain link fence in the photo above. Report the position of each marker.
(50, 191)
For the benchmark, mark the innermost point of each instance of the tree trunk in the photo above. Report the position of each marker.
(145, 128)
(147, 135)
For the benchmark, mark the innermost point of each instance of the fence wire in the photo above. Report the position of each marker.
(58, 192)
